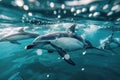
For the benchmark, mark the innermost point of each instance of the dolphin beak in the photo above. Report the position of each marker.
(29, 46)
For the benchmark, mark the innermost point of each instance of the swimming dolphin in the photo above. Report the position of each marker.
(61, 42)
(107, 42)
(19, 35)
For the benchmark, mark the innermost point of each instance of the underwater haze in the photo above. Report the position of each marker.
(97, 21)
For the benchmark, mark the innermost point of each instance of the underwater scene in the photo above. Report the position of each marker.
(59, 39)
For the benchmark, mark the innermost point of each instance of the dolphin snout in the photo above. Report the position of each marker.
(29, 46)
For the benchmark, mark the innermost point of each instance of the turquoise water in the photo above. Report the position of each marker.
(43, 17)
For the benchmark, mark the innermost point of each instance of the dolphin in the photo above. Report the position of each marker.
(19, 35)
(107, 43)
(61, 42)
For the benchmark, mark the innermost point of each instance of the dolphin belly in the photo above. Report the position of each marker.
(48, 47)
(66, 43)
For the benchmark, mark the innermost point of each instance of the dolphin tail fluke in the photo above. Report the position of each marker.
(63, 54)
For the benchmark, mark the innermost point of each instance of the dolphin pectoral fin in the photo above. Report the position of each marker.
(70, 61)
(15, 42)
(63, 54)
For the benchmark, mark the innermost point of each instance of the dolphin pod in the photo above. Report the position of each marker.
(61, 42)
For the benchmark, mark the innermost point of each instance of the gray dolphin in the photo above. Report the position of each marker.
(19, 35)
(106, 44)
(61, 42)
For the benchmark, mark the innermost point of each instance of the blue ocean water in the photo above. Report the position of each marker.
(95, 19)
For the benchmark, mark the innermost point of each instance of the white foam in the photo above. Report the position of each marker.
(79, 2)
(91, 29)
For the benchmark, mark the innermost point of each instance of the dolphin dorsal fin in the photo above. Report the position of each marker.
(72, 29)
(21, 30)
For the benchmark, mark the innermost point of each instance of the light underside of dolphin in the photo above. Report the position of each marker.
(66, 43)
